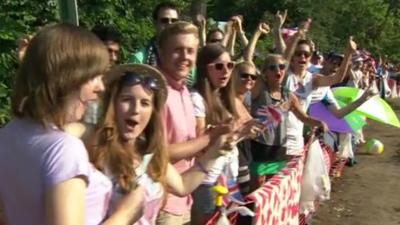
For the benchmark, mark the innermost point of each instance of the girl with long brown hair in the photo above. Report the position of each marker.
(214, 102)
(131, 136)
(45, 172)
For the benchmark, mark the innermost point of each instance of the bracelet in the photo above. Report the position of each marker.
(201, 167)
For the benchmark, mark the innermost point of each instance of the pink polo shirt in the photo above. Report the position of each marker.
(180, 126)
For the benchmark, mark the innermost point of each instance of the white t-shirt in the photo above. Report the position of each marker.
(357, 77)
(227, 164)
(303, 89)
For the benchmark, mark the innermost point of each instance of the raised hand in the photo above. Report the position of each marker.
(264, 28)
(200, 20)
(351, 45)
(237, 23)
(280, 19)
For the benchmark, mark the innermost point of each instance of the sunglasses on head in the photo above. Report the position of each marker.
(273, 67)
(301, 53)
(132, 78)
(221, 66)
(248, 76)
(168, 20)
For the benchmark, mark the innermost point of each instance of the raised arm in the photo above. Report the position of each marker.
(239, 30)
(341, 112)
(262, 28)
(320, 80)
(279, 20)
(230, 46)
(201, 22)
(228, 33)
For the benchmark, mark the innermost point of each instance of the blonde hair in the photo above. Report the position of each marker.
(239, 67)
(58, 61)
(174, 29)
(270, 58)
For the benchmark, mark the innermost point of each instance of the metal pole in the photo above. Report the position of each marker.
(68, 11)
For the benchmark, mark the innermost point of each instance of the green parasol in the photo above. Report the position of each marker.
(375, 108)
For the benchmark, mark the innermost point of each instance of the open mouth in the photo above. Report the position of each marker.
(302, 62)
(224, 79)
(131, 124)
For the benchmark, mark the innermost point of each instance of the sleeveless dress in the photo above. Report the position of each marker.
(269, 148)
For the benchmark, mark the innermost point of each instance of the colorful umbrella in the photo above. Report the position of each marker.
(375, 108)
(350, 123)
(321, 112)
(355, 119)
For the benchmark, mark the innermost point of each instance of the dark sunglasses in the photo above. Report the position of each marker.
(215, 40)
(248, 76)
(274, 67)
(300, 53)
(221, 66)
(131, 78)
(336, 63)
(168, 20)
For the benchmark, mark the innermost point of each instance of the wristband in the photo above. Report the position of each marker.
(201, 167)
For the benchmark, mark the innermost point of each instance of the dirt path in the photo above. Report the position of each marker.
(369, 192)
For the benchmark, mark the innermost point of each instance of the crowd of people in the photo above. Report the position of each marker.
(97, 141)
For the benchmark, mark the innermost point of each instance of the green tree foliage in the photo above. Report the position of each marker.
(375, 24)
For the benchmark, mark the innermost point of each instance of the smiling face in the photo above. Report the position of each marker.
(220, 70)
(247, 78)
(133, 110)
(178, 55)
(301, 58)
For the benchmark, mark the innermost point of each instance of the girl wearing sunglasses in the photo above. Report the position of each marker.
(245, 76)
(271, 105)
(128, 144)
(214, 103)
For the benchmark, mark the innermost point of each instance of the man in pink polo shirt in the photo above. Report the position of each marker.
(178, 44)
